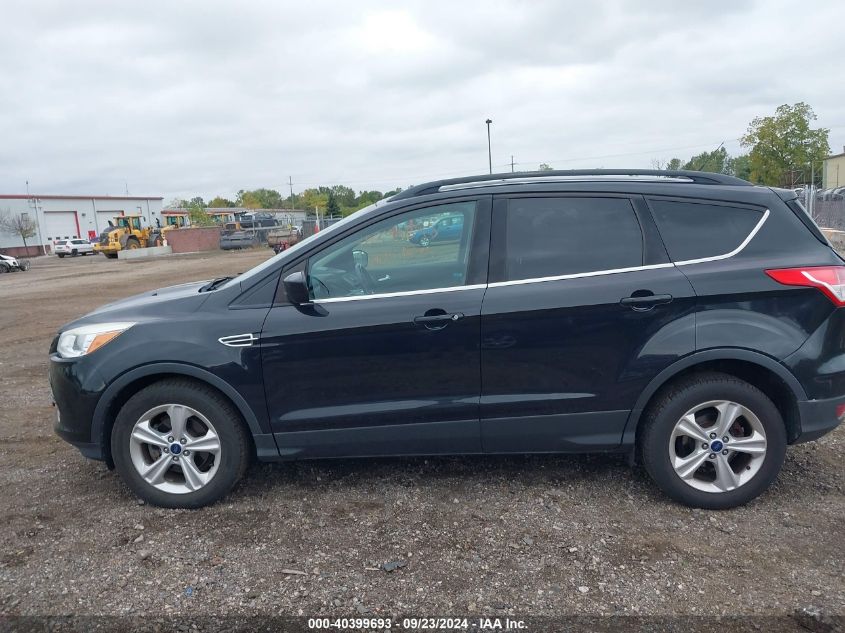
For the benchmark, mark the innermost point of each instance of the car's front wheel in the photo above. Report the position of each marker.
(713, 441)
(179, 444)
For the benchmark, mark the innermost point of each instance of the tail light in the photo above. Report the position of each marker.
(829, 279)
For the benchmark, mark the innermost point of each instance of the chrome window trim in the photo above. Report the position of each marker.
(404, 293)
(736, 251)
(595, 273)
(536, 280)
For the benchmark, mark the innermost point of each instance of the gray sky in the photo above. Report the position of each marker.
(183, 98)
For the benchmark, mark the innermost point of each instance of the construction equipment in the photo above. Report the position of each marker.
(127, 232)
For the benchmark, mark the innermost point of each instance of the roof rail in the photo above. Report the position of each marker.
(697, 177)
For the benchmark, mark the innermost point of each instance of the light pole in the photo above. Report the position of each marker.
(489, 152)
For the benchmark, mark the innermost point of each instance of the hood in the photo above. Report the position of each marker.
(183, 298)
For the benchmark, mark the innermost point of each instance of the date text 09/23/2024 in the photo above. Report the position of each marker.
(424, 623)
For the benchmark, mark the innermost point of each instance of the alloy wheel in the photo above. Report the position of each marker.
(717, 446)
(175, 449)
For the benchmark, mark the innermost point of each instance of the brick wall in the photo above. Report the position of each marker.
(20, 251)
(194, 239)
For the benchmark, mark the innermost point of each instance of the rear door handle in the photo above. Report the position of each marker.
(645, 302)
(437, 321)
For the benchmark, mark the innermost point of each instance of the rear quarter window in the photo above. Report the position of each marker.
(697, 230)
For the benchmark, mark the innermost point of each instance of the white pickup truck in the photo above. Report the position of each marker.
(9, 264)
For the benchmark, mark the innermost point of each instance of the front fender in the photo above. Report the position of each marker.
(101, 422)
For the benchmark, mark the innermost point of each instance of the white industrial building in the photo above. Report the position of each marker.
(59, 217)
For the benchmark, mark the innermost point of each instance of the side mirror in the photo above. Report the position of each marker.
(296, 288)
(361, 258)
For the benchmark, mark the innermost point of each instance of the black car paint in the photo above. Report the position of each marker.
(553, 366)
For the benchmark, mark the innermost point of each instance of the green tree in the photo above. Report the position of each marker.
(344, 195)
(740, 166)
(716, 161)
(260, 199)
(545, 167)
(313, 198)
(332, 207)
(675, 164)
(784, 142)
(199, 216)
(218, 202)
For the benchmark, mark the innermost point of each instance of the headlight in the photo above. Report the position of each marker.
(84, 340)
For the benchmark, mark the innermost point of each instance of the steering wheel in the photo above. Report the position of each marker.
(365, 279)
(325, 288)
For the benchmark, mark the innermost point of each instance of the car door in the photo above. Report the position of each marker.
(582, 310)
(385, 359)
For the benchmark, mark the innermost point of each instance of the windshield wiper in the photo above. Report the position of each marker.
(211, 285)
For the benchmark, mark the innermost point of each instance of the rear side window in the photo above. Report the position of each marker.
(696, 230)
(550, 237)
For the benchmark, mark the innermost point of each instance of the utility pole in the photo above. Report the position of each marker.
(511, 163)
(489, 151)
(34, 202)
(290, 183)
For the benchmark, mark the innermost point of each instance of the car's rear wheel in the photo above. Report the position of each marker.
(179, 444)
(74, 253)
(713, 441)
(425, 241)
(60, 255)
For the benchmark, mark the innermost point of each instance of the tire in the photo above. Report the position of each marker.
(132, 244)
(74, 253)
(60, 255)
(110, 255)
(661, 443)
(4, 268)
(230, 462)
(425, 242)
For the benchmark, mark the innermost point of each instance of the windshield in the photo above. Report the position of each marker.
(258, 270)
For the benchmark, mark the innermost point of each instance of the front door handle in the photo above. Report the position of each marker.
(645, 302)
(437, 321)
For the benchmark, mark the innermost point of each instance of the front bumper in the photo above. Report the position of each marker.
(819, 417)
(76, 391)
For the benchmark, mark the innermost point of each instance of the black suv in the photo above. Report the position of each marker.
(690, 320)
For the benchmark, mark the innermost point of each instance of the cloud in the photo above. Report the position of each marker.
(206, 97)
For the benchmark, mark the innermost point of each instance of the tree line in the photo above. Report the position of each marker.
(336, 200)
(783, 150)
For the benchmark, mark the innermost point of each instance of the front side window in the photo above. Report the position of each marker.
(550, 237)
(696, 230)
(418, 250)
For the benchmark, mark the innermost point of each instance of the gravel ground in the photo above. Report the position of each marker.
(474, 536)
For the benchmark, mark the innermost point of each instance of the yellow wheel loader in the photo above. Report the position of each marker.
(127, 232)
